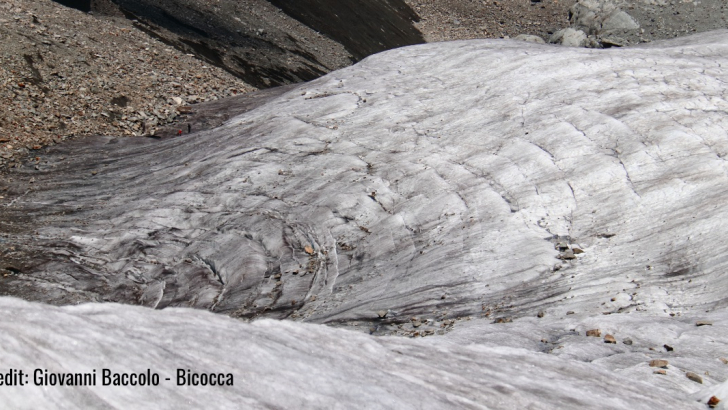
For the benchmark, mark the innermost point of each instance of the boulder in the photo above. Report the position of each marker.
(600, 17)
(569, 37)
(618, 20)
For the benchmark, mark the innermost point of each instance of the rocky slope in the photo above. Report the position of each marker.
(447, 20)
(64, 73)
(275, 42)
(622, 23)
(605, 23)
(252, 39)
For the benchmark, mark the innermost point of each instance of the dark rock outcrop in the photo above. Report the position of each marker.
(256, 41)
(364, 27)
(263, 48)
(83, 5)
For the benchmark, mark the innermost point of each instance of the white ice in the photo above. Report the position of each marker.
(429, 182)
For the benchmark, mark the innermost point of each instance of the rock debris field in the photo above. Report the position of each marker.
(603, 23)
(59, 80)
(473, 233)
